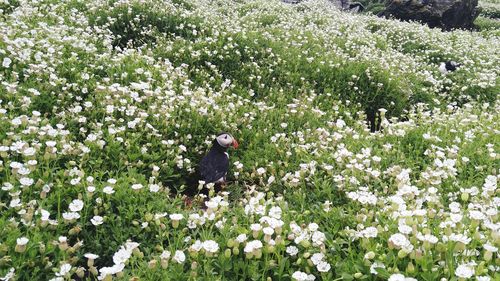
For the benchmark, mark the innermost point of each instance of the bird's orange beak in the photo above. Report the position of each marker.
(235, 144)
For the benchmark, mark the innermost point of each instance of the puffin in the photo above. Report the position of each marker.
(214, 166)
(448, 66)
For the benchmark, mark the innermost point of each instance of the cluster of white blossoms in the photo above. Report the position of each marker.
(120, 258)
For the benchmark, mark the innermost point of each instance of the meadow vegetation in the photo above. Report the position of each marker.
(358, 158)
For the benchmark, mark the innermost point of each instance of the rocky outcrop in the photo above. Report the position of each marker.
(446, 14)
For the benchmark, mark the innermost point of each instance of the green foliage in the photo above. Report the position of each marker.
(487, 23)
(8, 6)
(137, 24)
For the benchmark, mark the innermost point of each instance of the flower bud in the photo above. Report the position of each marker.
(305, 243)
(20, 248)
(175, 223)
(258, 254)
(410, 268)
(402, 253)
(464, 197)
(488, 255)
(194, 265)
(370, 255)
(80, 272)
(152, 264)
(41, 248)
(164, 263)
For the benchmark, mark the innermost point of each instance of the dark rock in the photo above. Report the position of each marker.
(446, 14)
(356, 7)
(346, 5)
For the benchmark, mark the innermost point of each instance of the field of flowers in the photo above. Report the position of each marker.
(358, 159)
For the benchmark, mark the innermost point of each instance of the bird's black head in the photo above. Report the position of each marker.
(224, 141)
(452, 65)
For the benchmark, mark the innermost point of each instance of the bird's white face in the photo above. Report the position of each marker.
(226, 140)
(442, 68)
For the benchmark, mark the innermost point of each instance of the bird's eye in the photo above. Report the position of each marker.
(225, 137)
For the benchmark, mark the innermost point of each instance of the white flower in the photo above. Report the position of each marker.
(369, 232)
(6, 62)
(270, 180)
(275, 212)
(376, 265)
(313, 226)
(318, 238)
(490, 248)
(261, 171)
(253, 246)
(176, 217)
(197, 246)
(26, 181)
(292, 250)
(464, 271)
(108, 190)
(179, 257)
(323, 266)
(22, 241)
(400, 241)
(154, 188)
(76, 205)
(105, 271)
(97, 220)
(317, 258)
(302, 276)
(459, 238)
(71, 216)
(165, 255)
(476, 215)
(65, 269)
(91, 256)
(130, 246)
(210, 246)
(137, 186)
(268, 231)
(121, 256)
(44, 215)
(400, 277)
(427, 237)
(241, 238)
(405, 229)
(14, 203)
(255, 227)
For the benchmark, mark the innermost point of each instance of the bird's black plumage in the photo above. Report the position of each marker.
(213, 167)
(451, 65)
(215, 164)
